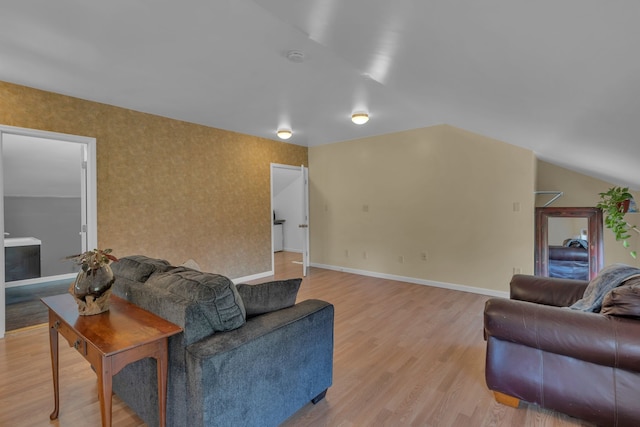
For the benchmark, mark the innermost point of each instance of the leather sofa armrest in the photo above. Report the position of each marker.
(546, 290)
(592, 337)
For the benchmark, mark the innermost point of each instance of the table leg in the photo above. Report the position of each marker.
(162, 363)
(53, 344)
(105, 385)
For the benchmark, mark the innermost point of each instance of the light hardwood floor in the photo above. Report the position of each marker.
(405, 355)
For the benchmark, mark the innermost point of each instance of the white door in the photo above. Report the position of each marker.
(304, 225)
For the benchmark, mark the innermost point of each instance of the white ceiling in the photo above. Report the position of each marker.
(559, 77)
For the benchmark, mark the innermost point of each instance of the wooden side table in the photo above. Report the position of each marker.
(110, 341)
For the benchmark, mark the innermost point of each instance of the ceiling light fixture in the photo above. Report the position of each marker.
(284, 133)
(360, 118)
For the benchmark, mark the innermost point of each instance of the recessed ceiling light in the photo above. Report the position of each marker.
(284, 133)
(360, 118)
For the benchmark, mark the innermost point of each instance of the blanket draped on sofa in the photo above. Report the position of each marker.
(608, 278)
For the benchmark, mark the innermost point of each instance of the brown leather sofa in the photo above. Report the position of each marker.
(586, 365)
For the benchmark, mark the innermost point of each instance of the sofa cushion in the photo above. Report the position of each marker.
(623, 300)
(607, 279)
(138, 268)
(269, 296)
(215, 296)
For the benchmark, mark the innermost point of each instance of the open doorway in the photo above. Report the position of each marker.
(48, 211)
(290, 231)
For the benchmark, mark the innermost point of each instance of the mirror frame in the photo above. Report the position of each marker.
(594, 225)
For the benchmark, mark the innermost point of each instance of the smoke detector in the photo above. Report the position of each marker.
(295, 56)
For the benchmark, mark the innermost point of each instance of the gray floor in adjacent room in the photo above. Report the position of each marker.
(23, 305)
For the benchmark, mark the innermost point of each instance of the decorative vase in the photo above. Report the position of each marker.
(92, 289)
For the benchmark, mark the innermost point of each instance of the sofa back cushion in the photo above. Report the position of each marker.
(200, 303)
(138, 268)
(214, 296)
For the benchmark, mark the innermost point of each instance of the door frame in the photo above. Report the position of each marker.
(304, 171)
(304, 226)
(91, 237)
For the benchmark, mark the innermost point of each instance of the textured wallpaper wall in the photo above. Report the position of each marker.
(168, 188)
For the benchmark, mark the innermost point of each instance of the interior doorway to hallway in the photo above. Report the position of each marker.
(290, 211)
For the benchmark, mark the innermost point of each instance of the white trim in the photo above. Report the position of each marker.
(92, 201)
(92, 195)
(271, 168)
(452, 286)
(305, 220)
(273, 258)
(295, 251)
(38, 280)
(252, 277)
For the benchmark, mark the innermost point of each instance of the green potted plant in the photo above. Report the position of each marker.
(92, 286)
(614, 204)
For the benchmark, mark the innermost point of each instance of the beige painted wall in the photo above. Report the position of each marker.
(440, 191)
(168, 188)
(582, 191)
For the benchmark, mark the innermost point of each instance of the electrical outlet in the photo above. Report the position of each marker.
(424, 256)
(516, 206)
(346, 253)
(365, 208)
(517, 270)
(364, 255)
(401, 259)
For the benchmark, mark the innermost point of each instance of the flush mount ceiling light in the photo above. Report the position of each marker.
(360, 118)
(284, 133)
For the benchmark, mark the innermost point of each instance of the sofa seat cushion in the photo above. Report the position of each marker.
(215, 296)
(269, 296)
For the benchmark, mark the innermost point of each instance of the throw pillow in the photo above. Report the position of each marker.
(607, 279)
(213, 295)
(269, 296)
(623, 300)
(190, 263)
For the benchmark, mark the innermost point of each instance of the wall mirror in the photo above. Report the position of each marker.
(568, 242)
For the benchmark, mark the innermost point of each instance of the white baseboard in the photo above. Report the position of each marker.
(452, 286)
(252, 277)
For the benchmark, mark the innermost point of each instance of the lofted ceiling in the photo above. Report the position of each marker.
(561, 78)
